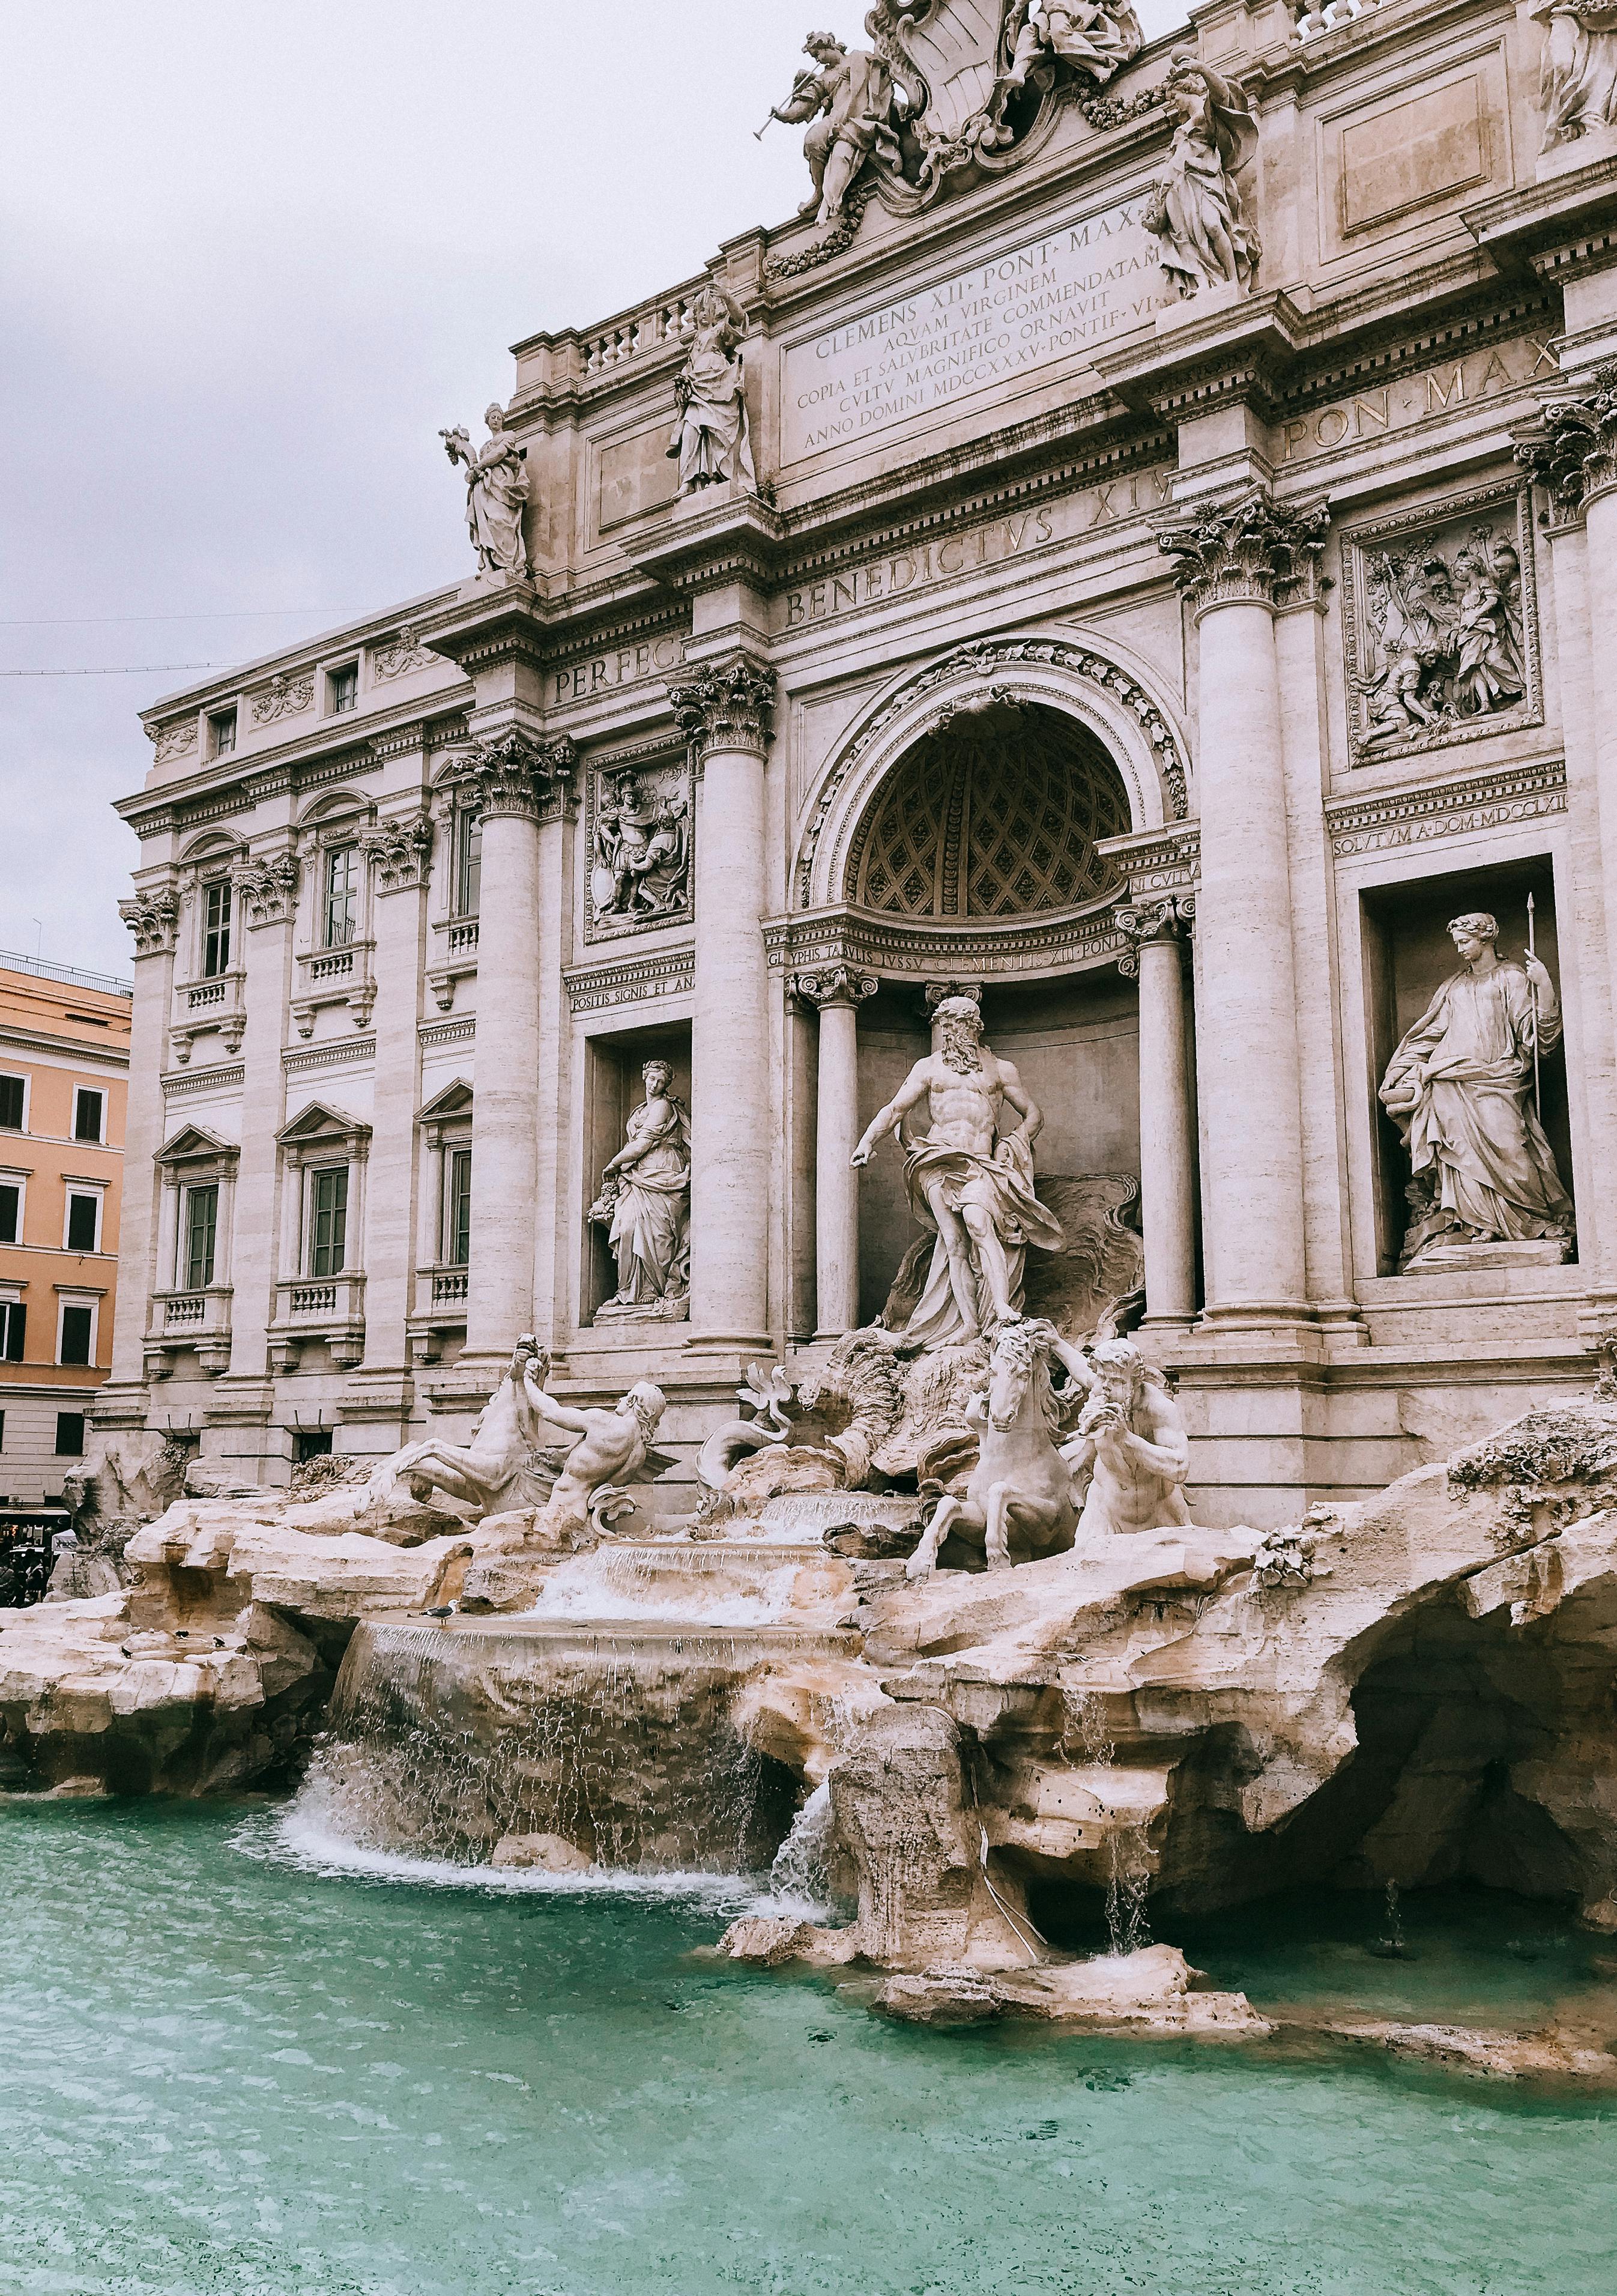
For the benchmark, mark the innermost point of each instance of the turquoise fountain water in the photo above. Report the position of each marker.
(226, 2068)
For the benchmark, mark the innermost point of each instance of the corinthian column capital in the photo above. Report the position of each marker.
(728, 704)
(1571, 446)
(833, 984)
(518, 776)
(154, 917)
(1247, 553)
(1146, 923)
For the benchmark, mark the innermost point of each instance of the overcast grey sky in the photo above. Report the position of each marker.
(256, 253)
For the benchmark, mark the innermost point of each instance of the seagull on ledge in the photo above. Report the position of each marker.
(443, 1612)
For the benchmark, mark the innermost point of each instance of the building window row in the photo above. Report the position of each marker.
(77, 1324)
(89, 1109)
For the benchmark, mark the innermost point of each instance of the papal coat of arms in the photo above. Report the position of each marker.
(948, 91)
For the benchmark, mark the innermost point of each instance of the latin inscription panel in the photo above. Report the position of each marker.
(1055, 297)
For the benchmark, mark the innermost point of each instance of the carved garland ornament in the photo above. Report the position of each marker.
(1251, 551)
(284, 697)
(982, 657)
(400, 656)
(154, 918)
(1570, 448)
(176, 740)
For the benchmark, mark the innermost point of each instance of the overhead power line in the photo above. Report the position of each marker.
(132, 669)
(84, 621)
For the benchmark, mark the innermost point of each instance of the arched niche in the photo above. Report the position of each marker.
(1111, 702)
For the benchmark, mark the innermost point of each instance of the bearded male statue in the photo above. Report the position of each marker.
(972, 1189)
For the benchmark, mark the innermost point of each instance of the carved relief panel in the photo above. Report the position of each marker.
(639, 855)
(1440, 627)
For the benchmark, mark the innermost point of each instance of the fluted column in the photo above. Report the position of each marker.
(1167, 1152)
(1235, 565)
(266, 890)
(1572, 451)
(725, 709)
(515, 778)
(836, 993)
(152, 917)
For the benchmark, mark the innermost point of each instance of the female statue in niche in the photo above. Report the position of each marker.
(645, 1207)
(1460, 1089)
(496, 492)
(1195, 211)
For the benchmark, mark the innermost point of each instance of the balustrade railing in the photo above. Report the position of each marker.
(449, 1288)
(315, 1300)
(186, 1308)
(1316, 17)
(668, 320)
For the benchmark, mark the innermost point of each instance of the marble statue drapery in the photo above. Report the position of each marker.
(1460, 1084)
(711, 439)
(645, 1205)
(1204, 239)
(496, 494)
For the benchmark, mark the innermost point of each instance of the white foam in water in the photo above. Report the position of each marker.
(298, 1838)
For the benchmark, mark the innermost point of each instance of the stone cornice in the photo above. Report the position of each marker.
(179, 1083)
(1415, 813)
(1253, 551)
(1157, 861)
(857, 941)
(737, 538)
(727, 704)
(1566, 223)
(1240, 350)
(646, 979)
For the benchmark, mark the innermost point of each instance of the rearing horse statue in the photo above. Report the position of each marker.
(1021, 1482)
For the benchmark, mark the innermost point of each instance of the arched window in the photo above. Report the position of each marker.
(996, 814)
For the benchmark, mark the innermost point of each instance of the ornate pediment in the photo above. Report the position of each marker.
(193, 1143)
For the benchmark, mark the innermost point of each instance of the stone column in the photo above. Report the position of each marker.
(836, 993)
(725, 707)
(1234, 565)
(152, 917)
(1572, 451)
(514, 781)
(1167, 1156)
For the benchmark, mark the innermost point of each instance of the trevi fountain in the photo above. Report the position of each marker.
(961, 1633)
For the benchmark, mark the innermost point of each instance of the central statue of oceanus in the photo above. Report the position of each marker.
(973, 1190)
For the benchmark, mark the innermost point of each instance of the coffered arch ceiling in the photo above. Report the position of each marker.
(995, 814)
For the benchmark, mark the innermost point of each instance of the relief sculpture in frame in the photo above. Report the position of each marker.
(1440, 628)
(640, 849)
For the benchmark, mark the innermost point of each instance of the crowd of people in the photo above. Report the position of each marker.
(27, 1555)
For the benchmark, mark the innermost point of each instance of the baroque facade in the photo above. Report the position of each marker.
(1135, 560)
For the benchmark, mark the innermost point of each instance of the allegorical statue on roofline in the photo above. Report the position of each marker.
(711, 439)
(496, 494)
(1197, 211)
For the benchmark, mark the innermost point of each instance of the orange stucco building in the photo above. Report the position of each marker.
(64, 1063)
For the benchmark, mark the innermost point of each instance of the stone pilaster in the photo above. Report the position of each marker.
(836, 993)
(725, 707)
(152, 917)
(1571, 451)
(516, 777)
(1235, 565)
(398, 850)
(266, 885)
(1167, 1121)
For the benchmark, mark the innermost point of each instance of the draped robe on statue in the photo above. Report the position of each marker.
(1472, 1126)
(1003, 1186)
